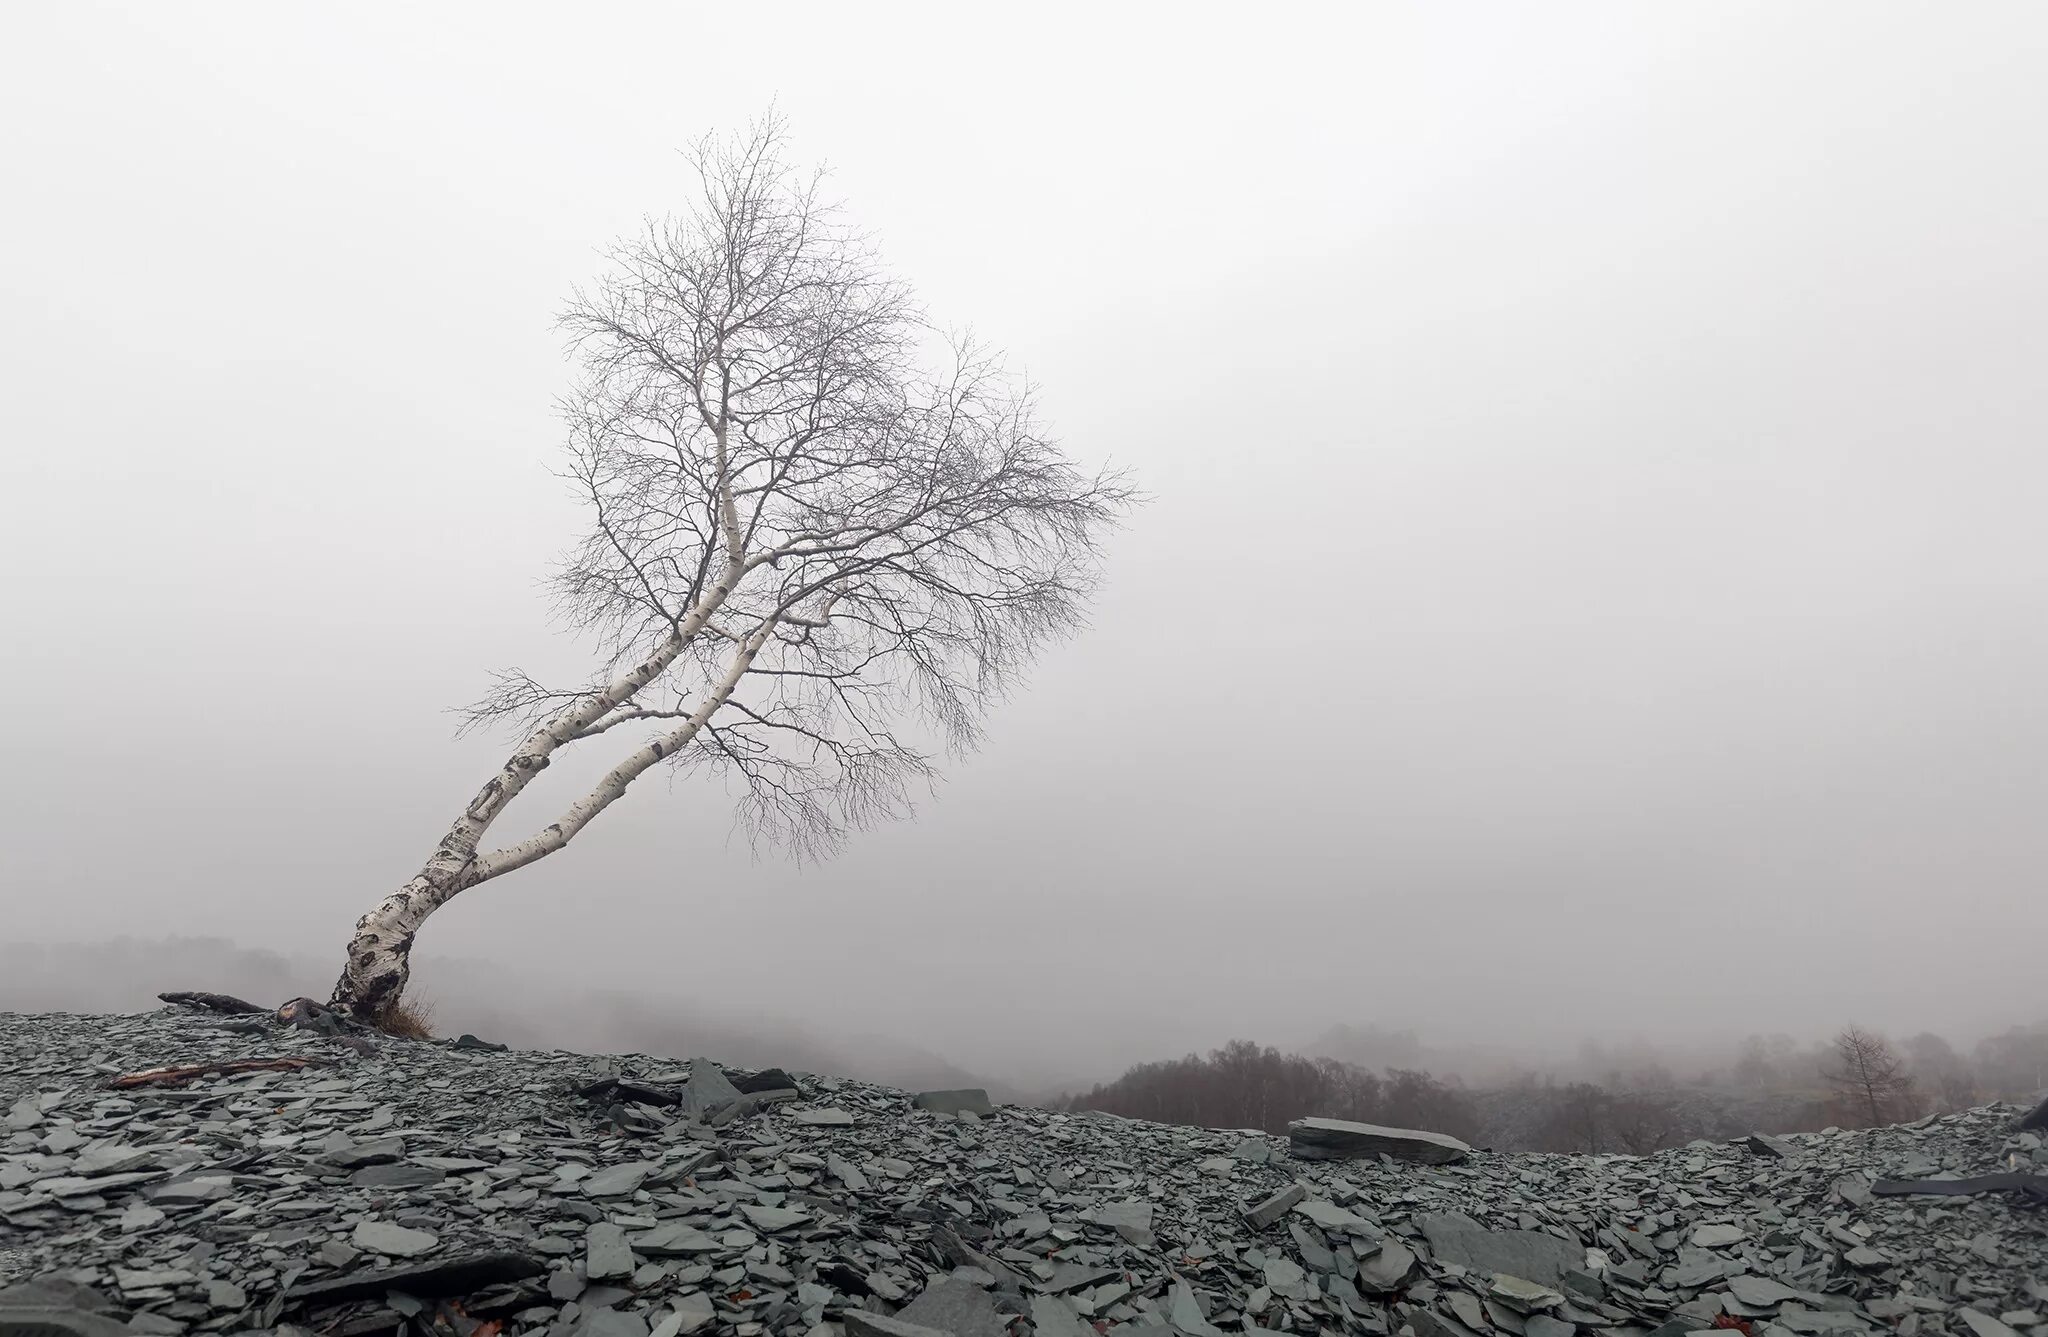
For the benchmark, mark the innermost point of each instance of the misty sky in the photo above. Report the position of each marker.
(1594, 583)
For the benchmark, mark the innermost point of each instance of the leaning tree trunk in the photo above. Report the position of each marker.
(379, 961)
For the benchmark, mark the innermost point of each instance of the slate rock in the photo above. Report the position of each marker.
(1331, 1217)
(1759, 1292)
(1052, 1316)
(957, 1307)
(862, 1323)
(1340, 1139)
(1529, 1254)
(389, 1238)
(708, 1092)
(768, 1079)
(1387, 1270)
(1270, 1210)
(396, 1176)
(969, 1100)
(825, 1118)
(607, 1256)
(617, 1181)
(1983, 1325)
(607, 1322)
(772, 1219)
(355, 1157)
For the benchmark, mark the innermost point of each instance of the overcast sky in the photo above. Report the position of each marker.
(1594, 585)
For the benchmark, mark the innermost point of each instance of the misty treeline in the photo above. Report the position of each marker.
(1856, 1078)
(1244, 1086)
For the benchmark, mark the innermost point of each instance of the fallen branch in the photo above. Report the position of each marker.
(212, 1002)
(173, 1076)
(2033, 1186)
(450, 1277)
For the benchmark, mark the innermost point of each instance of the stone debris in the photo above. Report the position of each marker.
(968, 1100)
(541, 1194)
(1340, 1139)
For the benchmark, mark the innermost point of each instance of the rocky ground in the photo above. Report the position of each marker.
(426, 1187)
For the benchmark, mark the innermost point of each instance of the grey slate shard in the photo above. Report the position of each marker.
(396, 1176)
(825, 1118)
(1766, 1145)
(1053, 1317)
(388, 1237)
(957, 1307)
(973, 1100)
(383, 1151)
(617, 1181)
(1386, 1270)
(1255, 1150)
(1532, 1255)
(463, 1275)
(1718, 1236)
(768, 1079)
(609, 1322)
(862, 1323)
(772, 1219)
(1331, 1217)
(708, 1091)
(24, 1320)
(1265, 1213)
(1759, 1292)
(1068, 1276)
(1184, 1312)
(1428, 1323)
(607, 1256)
(1984, 1325)
(1340, 1139)
(468, 1041)
(54, 1308)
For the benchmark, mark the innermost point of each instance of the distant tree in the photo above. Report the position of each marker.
(1644, 1121)
(2013, 1065)
(1941, 1072)
(1242, 1085)
(1869, 1078)
(1577, 1120)
(1753, 1068)
(812, 547)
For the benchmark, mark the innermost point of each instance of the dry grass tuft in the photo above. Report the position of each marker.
(408, 1019)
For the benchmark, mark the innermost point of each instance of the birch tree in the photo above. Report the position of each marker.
(822, 542)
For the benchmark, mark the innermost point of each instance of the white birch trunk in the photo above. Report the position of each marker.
(379, 961)
(379, 958)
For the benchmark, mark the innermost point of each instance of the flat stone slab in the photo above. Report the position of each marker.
(972, 1100)
(1340, 1139)
(388, 1237)
(1529, 1254)
(1272, 1209)
(861, 1323)
(955, 1306)
(617, 1181)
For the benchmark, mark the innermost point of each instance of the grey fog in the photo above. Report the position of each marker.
(1589, 591)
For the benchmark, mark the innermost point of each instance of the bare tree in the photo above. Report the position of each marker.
(1869, 1077)
(817, 552)
(1941, 1072)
